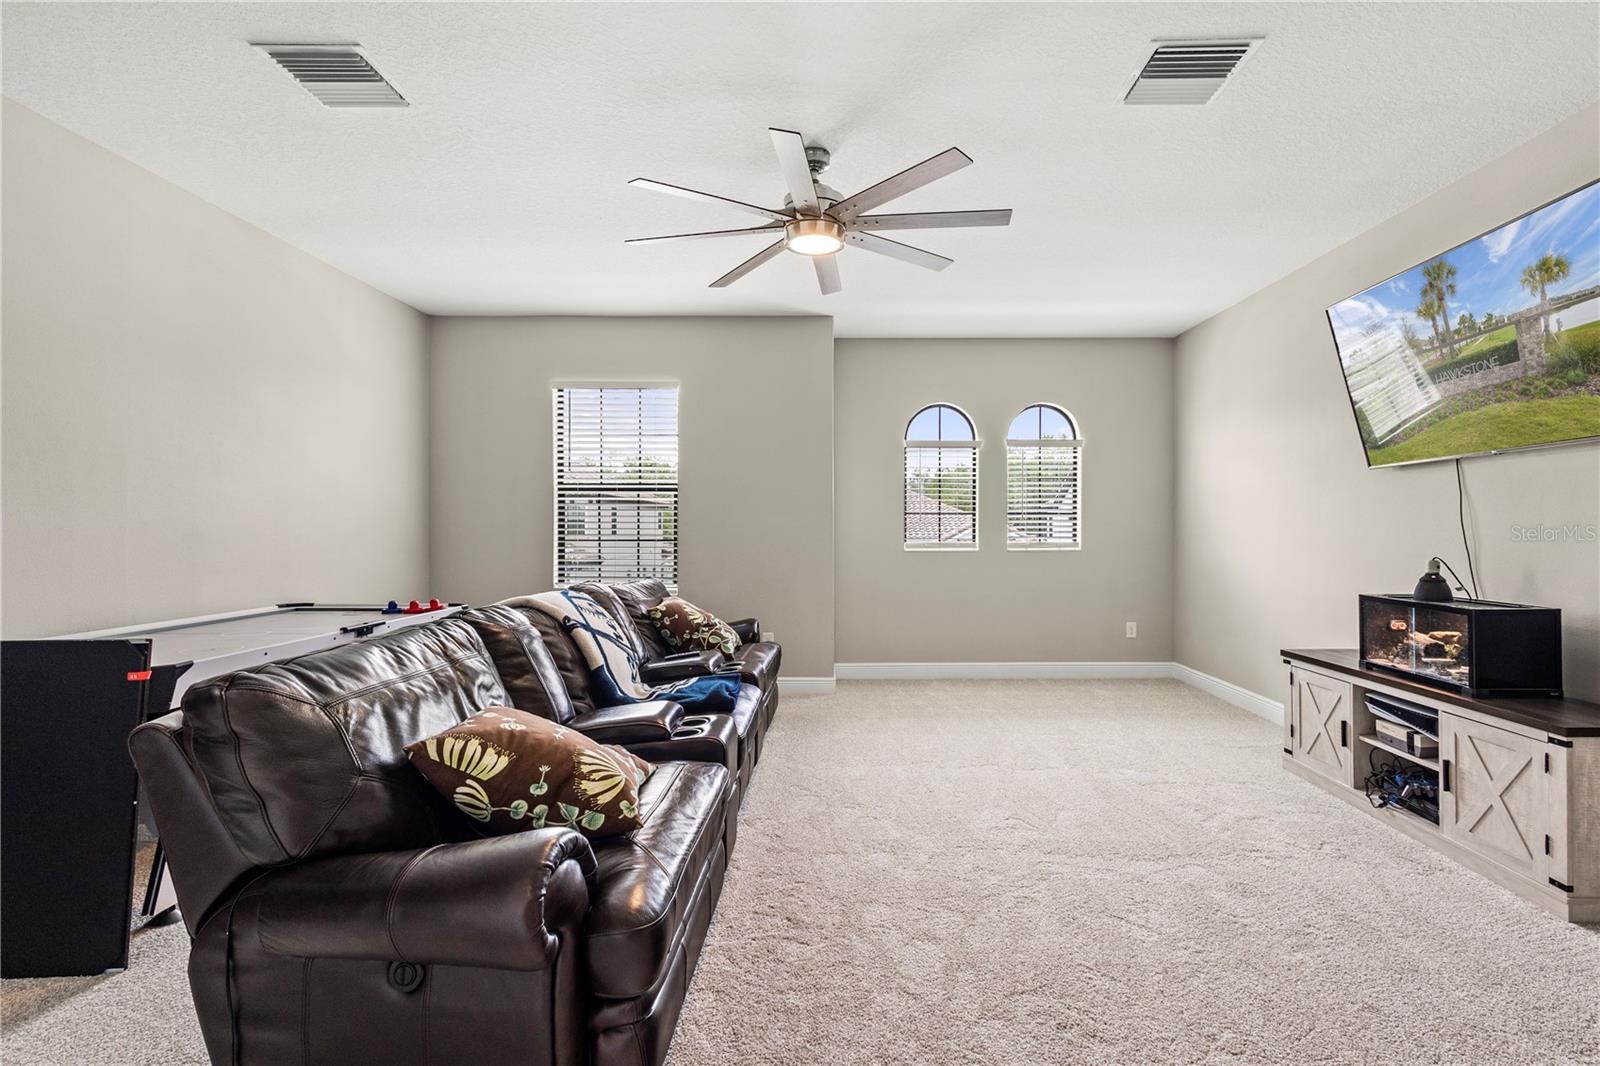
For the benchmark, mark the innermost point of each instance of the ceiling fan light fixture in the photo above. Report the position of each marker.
(814, 236)
(816, 223)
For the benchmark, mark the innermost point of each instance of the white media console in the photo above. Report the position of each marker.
(1519, 779)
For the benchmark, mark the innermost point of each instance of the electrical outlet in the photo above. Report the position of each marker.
(769, 637)
(1133, 630)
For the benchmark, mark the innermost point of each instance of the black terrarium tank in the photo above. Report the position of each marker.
(1477, 647)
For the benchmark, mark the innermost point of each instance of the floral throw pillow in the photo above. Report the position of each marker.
(686, 627)
(508, 771)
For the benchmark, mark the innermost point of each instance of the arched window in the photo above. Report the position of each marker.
(941, 497)
(1044, 479)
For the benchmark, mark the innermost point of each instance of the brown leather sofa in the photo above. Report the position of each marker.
(519, 642)
(342, 912)
(757, 661)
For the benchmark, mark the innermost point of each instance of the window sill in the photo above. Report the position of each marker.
(941, 547)
(1044, 547)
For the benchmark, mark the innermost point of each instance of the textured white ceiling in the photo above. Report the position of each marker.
(501, 191)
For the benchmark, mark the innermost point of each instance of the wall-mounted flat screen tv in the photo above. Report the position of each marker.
(1491, 346)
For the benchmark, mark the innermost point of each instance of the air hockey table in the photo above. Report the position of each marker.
(69, 837)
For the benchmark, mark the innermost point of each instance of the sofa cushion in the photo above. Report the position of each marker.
(638, 597)
(646, 880)
(529, 673)
(569, 662)
(307, 757)
(509, 771)
(617, 608)
(686, 627)
(758, 663)
(645, 592)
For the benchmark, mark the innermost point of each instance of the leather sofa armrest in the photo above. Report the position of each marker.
(748, 630)
(716, 741)
(630, 723)
(496, 903)
(682, 667)
(203, 860)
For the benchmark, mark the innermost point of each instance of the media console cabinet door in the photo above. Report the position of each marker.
(1320, 724)
(1497, 798)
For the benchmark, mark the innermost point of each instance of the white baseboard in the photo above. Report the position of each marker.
(987, 671)
(805, 686)
(1228, 692)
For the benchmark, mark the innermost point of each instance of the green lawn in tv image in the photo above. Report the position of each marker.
(1492, 345)
(1513, 424)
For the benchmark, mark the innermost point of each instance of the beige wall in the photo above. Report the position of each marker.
(1280, 523)
(995, 605)
(196, 416)
(756, 466)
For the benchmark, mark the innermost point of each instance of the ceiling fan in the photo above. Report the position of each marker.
(816, 221)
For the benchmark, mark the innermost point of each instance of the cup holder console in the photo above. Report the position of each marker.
(699, 738)
(693, 726)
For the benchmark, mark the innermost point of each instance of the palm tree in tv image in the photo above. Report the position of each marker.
(1440, 283)
(1428, 308)
(1540, 275)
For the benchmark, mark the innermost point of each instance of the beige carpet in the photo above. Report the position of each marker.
(1039, 872)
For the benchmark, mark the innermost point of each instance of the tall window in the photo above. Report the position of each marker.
(941, 480)
(1044, 479)
(616, 484)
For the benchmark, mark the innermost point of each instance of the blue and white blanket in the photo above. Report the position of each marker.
(613, 665)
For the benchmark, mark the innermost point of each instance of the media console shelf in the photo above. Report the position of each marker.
(1519, 779)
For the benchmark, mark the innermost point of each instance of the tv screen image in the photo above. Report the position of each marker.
(1490, 346)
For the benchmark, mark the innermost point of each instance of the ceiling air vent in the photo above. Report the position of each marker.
(337, 74)
(1187, 72)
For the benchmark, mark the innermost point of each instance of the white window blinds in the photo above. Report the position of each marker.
(616, 481)
(1044, 478)
(941, 480)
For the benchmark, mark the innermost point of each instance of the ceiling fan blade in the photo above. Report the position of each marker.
(946, 162)
(932, 220)
(711, 198)
(769, 252)
(772, 229)
(791, 149)
(895, 250)
(827, 273)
